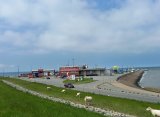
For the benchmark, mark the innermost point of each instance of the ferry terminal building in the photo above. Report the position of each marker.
(81, 71)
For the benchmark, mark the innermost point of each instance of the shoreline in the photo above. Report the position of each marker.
(131, 79)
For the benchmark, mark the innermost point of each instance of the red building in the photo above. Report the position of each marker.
(69, 70)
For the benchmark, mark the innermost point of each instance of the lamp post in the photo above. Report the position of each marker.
(18, 70)
(3, 72)
(73, 61)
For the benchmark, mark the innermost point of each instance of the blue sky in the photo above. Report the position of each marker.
(100, 33)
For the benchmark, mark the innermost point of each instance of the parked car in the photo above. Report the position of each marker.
(48, 78)
(64, 76)
(68, 85)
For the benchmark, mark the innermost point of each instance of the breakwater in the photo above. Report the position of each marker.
(131, 79)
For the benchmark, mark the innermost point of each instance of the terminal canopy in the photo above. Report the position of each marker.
(115, 67)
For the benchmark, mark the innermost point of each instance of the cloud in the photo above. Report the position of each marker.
(3, 66)
(41, 26)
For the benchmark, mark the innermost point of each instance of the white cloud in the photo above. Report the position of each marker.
(3, 66)
(75, 26)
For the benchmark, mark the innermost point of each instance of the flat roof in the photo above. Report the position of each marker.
(92, 69)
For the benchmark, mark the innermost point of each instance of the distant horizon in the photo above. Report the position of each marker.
(21, 71)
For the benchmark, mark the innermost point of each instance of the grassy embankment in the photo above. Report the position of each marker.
(84, 80)
(128, 106)
(15, 103)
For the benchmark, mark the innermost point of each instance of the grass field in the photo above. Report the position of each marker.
(85, 80)
(127, 106)
(14, 103)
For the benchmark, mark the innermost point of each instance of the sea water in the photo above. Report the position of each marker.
(11, 74)
(151, 78)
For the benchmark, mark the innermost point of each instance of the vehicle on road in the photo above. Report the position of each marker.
(68, 85)
(48, 78)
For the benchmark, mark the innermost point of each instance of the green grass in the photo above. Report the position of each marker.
(85, 80)
(15, 103)
(127, 106)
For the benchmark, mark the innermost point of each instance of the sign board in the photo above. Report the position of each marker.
(73, 77)
(64, 69)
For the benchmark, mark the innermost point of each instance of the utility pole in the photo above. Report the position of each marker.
(73, 61)
(18, 70)
(67, 63)
(3, 72)
(31, 68)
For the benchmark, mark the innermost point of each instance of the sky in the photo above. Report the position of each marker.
(100, 33)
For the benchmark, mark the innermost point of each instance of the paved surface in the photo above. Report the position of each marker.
(105, 85)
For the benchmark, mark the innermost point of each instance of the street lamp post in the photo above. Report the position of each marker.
(73, 61)
(18, 70)
(3, 72)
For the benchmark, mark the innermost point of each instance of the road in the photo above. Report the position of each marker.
(105, 85)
